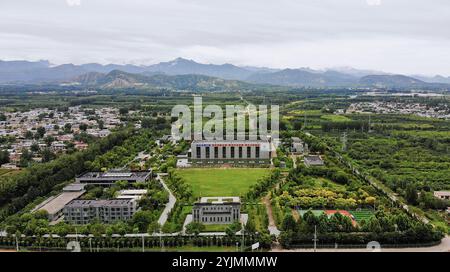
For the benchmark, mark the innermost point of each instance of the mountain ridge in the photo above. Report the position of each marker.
(43, 72)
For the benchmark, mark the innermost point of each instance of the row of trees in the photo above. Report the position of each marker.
(395, 227)
(16, 191)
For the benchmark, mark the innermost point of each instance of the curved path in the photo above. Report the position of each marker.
(169, 206)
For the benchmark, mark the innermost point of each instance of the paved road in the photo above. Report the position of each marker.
(444, 246)
(169, 206)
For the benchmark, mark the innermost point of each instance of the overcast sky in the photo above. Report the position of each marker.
(400, 36)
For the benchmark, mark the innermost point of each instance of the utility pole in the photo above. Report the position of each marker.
(315, 238)
(243, 237)
(305, 121)
(90, 244)
(143, 243)
(17, 244)
(344, 141)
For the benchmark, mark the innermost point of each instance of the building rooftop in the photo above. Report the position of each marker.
(313, 160)
(220, 199)
(54, 205)
(441, 193)
(74, 187)
(99, 203)
(115, 175)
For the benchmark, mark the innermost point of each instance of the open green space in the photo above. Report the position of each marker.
(215, 227)
(221, 182)
(362, 215)
(8, 172)
(335, 118)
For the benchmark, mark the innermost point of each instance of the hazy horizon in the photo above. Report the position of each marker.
(393, 36)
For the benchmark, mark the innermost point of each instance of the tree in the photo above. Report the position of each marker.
(47, 155)
(34, 147)
(4, 156)
(123, 111)
(28, 134)
(233, 228)
(250, 226)
(289, 223)
(49, 140)
(141, 220)
(83, 126)
(40, 132)
(154, 227)
(194, 228)
(411, 194)
(68, 128)
(100, 124)
(25, 158)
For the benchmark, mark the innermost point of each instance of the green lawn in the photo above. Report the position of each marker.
(215, 227)
(362, 215)
(8, 171)
(335, 118)
(221, 182)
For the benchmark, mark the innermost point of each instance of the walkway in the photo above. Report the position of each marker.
(169, 206)
(273, 230)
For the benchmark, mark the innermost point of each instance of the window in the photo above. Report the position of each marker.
(216, 152)
(207, 152)
(224, 152)
(240, 152)
(198, 152)
(249, 152)
(232, 151)
(257, 152)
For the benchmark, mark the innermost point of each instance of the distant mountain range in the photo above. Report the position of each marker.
(183, 73)
(120, 79)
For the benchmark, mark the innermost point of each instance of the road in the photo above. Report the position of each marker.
(444, 246)
(169, 206)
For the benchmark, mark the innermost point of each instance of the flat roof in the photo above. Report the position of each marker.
(98, 203)
(133, 192)
(113, 174)
(442, 193)
(73, 187)
(314, 159)
(220, 199)
(56, 204)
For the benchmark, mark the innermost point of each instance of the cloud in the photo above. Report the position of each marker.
(72, 3)
(373, 2)
(398, 35)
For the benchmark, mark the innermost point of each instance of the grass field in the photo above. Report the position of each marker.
(221, 182)
(4, 172)
(215, 227)
(335, 118)
(362, 215)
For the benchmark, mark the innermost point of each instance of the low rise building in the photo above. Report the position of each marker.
(80, 212)
(444, 195)
(313, 160)
(112, 176)
(55, 205)
(233, 152)
(297, 145)
(217, 210)
(131, 194)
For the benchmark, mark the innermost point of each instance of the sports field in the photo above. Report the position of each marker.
(221, 181)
